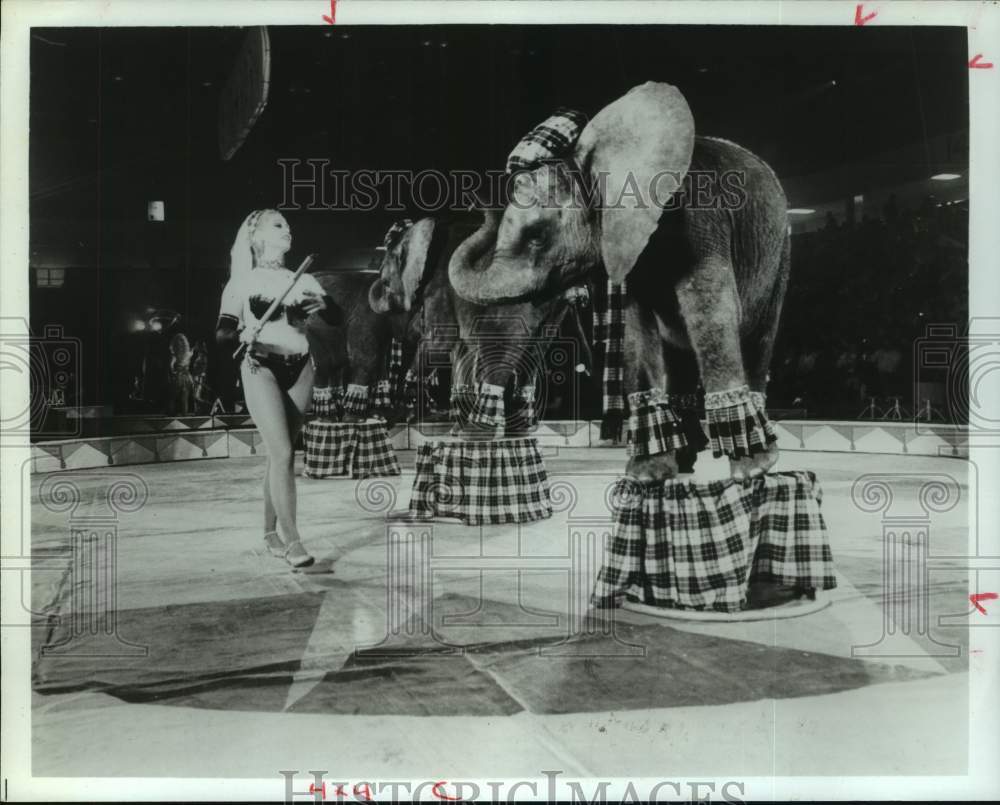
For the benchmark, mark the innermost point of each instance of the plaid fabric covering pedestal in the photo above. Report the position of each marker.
(358, 449)
(696, 546)
(481, 483)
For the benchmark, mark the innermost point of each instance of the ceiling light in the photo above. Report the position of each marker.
(800, 211)
(946, 177)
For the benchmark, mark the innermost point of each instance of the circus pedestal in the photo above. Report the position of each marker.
(481, 482)
(354, 449)
(680, 546)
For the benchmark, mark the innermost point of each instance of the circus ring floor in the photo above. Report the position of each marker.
(226, 664)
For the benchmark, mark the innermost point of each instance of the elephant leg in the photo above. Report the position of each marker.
(682, 387)
(710, 306)
(645, 369)
(463, 385)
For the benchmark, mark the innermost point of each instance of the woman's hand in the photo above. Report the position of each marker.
(248, 336)
(312, 302)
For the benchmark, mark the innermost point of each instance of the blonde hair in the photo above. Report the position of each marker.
(244, 253)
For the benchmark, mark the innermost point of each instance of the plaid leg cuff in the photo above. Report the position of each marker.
(356, 400)
(383, 395)
(321, 398)
(738, 426)
(524, 416)
(488, 408)
(463, 398)
(685, 545)
(653, 427)
(688, 409)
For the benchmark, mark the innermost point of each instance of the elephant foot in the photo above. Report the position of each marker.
(744, 470)
(657, 467)
(686, 457)
(764, 594)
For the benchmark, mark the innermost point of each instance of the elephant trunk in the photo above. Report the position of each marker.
(480, 275)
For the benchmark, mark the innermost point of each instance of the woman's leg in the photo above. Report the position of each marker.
(297, 402)
(270, 518)
(266, 403)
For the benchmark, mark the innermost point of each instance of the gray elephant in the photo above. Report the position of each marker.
(354, 352)
(698, 227)
(430, 319)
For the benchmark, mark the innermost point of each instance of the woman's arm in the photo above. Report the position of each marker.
(227, 330)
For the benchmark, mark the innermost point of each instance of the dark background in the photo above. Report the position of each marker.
(123, 116)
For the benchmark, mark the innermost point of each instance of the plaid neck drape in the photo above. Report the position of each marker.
(609, 329)
(389, 388)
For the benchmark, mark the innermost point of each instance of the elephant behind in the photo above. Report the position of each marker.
(485, 344)
(355, 351)
(698, 228)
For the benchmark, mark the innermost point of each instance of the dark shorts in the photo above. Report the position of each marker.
(285, 368)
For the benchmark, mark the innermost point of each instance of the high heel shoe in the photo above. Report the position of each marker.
(303, 559)
(273, 544)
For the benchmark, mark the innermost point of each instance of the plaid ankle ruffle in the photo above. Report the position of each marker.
(326, 402)
(356, 400)
(383, 395)
(524, 416)
(653, 427)
(488, 408)
(463, 398)
(738, 426)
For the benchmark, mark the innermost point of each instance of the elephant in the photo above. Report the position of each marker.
(355, 351)
(705, 279)
(413, 290)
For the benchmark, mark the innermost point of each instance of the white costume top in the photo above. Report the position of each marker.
(257, 290)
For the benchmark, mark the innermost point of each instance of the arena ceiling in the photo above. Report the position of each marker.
(119, 116)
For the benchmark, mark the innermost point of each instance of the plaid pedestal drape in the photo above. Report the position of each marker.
(481, 483)
(358, 449)
(687, 545)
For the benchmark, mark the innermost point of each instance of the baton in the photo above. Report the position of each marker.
(274, 305)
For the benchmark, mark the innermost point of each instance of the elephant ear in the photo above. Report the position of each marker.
(637, 151)
(416, 245)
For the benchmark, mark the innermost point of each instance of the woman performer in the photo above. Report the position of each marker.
(276, 371)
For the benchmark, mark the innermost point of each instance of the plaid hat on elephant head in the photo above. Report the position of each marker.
(550, 139)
